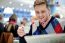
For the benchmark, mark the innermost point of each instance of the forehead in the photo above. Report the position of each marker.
(40, 7)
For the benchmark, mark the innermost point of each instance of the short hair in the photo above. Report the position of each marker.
(39, 2)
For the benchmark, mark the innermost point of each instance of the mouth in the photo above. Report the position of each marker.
(43, 21)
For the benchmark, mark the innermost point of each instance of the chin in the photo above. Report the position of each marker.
(44, 25)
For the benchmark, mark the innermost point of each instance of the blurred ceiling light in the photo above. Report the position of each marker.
(10, 2)
(25, 9)
(6, 19)
(32, 13)
(2, 7)
(12, 7)
(21, 4)
(27, 1)
(20, 9)
(30, 6)
(8, 10)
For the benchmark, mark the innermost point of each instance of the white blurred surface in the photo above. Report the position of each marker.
(49, 38)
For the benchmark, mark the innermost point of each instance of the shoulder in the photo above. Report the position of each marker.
(54, 20)
(1, 23)
(62, 22)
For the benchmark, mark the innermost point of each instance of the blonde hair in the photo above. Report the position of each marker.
(8, 27)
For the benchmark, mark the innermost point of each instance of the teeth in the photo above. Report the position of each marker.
(43, 21)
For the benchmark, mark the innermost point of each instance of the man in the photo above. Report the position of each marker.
(47, 24)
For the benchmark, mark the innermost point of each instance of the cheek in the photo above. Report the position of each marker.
(45, 17)
(37, 16)
(48, 13)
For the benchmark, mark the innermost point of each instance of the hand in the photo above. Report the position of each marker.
(20, 31)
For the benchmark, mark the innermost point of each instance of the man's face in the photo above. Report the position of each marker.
(42, 13)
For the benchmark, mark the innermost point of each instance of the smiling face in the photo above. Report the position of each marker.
(42, 13)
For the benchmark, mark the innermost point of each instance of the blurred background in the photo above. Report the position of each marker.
(24, 13)
(24, 8)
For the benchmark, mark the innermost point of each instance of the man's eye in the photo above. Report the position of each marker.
(37, 12)
(43, 11)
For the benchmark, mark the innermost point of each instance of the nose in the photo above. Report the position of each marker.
(41, 16)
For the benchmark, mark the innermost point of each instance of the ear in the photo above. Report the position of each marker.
(48, 12)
